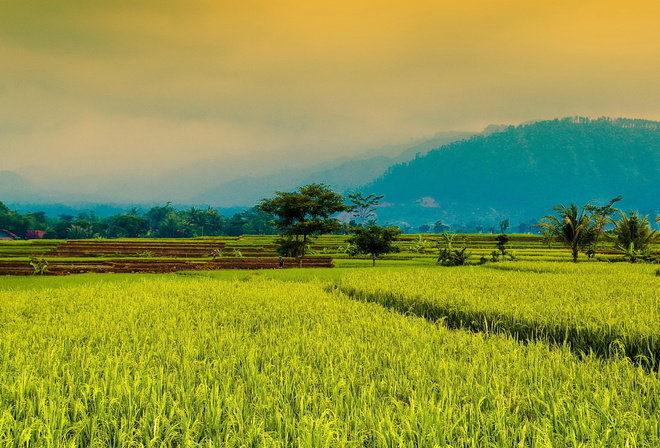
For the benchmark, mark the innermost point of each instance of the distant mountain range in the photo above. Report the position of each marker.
(516, 172)
(341, 176)
(17, 188)
(525, 170)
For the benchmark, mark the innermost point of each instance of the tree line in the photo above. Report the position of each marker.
(300, 216)
(163, 221)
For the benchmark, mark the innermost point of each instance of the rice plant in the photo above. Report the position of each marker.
(198, 362)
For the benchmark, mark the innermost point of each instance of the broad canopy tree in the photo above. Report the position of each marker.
(302, 215)
(375, 240)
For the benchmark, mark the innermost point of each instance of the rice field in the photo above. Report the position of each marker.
(343, 357)
(601, 308)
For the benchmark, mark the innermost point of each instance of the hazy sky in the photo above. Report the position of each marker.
(91, 86)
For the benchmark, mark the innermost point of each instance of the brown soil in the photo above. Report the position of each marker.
(149, 266)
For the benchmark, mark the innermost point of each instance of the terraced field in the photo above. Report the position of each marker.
(246, 252)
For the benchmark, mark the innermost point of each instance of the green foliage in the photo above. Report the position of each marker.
(509, 169)
(128, 225)
(205, 362)
(502, 250)
(200, 362)
(157, 214)
(421, 245)
(578, 228)
(504, 224)
(13, 221)
(502, 241)
(39, 265)
(215, 253)
(374, 240)
(364, 207)
(440, 227)
(632, 236)
(548, 237)
(79, 231)
(172, 226)
(303, 214)
(238, 253)
(608, 309)
(448, 254)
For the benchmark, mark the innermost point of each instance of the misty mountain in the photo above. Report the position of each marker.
(341, 175)
(15, 188)
(525, 170)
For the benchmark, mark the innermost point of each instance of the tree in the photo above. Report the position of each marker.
(13, 221)
(504, 224)
(196, 219)
(440, 227)
(128, 225)
(448, 255)
(576, 228)
(81, 230)
(602, 216)
(303, 214)
(157, 214)
(374, 240)
(502, 241)
(258, 222)
(633, 236)
(172, 226)
(364, 207)
(214, 222)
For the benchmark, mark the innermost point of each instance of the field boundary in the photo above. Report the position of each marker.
(643, 350)
(151, 266)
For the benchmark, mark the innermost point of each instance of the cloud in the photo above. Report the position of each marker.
(427, 202)
(89, 84)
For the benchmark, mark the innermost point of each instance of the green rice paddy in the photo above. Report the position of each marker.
(406, 354)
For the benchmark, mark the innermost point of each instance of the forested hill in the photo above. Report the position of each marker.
(525, 170)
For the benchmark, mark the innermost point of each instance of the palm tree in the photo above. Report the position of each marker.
(197, 219)
(633, 236)
(576, 228)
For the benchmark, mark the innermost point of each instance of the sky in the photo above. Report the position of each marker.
(91, 89)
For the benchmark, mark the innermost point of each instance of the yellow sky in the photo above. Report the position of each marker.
(89, 84)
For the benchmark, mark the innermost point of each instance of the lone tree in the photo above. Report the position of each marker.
(302, 215)
(364, 207)
(578, 228)
(504, 224)
(374, 240)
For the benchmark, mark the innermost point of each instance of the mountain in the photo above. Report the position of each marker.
(342, 175)
(17, 188)
(525, 170)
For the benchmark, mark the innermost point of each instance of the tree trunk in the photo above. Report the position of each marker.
(302, 251)
(373, 259)
(575, 254)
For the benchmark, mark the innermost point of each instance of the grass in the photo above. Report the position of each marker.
(528, 353)
(173, 361)
(605, 309)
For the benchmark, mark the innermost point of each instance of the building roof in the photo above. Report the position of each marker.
(34, 234)
(7, 235)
